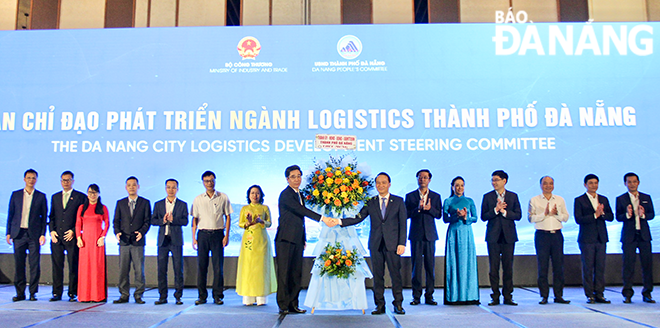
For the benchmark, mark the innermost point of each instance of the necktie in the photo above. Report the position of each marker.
(66, 199)
(300, 198)
(131, 206)
(383, 206)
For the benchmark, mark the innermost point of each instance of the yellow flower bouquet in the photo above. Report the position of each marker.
(337, 261)
(337, 186)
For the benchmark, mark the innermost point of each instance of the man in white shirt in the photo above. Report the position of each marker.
(26, 230)
(211, 216)
(548, 212)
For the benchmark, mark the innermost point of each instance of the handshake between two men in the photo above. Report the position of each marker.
(330, 222)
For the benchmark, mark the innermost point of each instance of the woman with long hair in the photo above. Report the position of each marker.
(91, 227)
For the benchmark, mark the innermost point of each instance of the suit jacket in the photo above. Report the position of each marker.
(592, 230)
(291, 224)
(36, 219)
(422, 222)
(63, 219)
(128, 224)
(179, 219)
(498, 223)
(628, 230)
(392, 228)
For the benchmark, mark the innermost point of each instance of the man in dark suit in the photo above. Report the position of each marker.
(591, 210)
(170, 214)
(131, 223)
(26, 230)
(501, 209)
(63, 209)
(635, 209)
(290, 241)
(423, 206)
(387, 240)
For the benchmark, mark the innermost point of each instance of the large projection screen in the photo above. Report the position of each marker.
(556, 99)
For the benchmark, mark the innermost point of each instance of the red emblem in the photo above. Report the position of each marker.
(249, 47)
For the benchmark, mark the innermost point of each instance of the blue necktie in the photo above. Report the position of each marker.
(383, 206)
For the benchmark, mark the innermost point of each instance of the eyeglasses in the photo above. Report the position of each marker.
(295, 176)
(66, 180)
(209, 181)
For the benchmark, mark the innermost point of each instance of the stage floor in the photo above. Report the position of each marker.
(233, 314)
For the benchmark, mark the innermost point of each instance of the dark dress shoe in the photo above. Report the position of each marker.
(430, 301)
(627, 300)
(601, 299)
(55, 299)
(120, 300)
(178, 301)
(544, 300)
(159, 302)
(591, 300)
(494, 302)
(415, 302)
(648, 299)
(72, 298)
(284, 312)
(510, 302)
(561, 300)
(398, 309)
(33, 297)
(18, 298)
(219, 301)
(296, 310)
(378, 310)
(139, 301)
(200, 301)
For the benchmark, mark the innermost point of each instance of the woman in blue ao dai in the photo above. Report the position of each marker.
(461, 277)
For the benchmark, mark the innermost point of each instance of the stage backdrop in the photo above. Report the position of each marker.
(245, 102)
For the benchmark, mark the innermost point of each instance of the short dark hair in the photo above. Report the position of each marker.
(546, 176)
(501, 174)
(67, 173)
(630, 174)
(261, 194)
(291, 169)
(133, 178)
(208, 174)
(591, 176)
(30, 171)
(172, 180)
(424, 170)
(385, 174)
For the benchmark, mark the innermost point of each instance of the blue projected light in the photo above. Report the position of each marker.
(562, 100)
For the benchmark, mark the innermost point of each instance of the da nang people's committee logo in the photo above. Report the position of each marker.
(249, 47)
(349, 47)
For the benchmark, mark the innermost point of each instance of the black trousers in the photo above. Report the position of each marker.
(210, 241)
(289, 259)
(57, 251)
(379, 257)
(501, 252)
(422, 254)
(177, 264)
(550, 246)
(629, 259)
(22, 244)
(593, 268)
